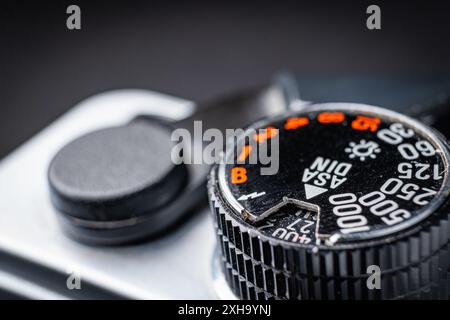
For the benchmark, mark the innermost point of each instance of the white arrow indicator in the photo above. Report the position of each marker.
(251, 196)
(312, 191)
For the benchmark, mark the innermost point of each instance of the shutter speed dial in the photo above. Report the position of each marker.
(351, 178)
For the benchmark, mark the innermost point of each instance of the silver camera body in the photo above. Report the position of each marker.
(39, 261)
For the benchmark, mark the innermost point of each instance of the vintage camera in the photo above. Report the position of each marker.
(95, 206)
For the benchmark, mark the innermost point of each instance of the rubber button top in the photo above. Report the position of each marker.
(116, 173)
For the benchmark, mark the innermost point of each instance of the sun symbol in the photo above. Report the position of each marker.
(362, 150)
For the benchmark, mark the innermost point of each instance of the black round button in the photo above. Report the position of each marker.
(116, 174)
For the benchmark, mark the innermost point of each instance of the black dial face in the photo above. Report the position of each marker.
(346, 173)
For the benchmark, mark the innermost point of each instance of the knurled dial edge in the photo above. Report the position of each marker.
(413, 266)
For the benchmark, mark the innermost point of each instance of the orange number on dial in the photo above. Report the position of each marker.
(331, 117)
(363, 123)
(295, 123)
(238, 175)
(268, 133)
(244, 153)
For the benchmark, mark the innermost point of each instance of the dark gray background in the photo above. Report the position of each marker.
(199, 49)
